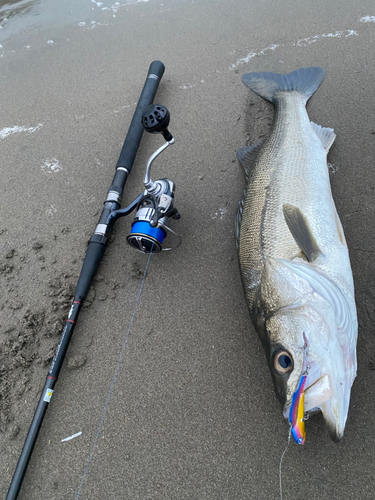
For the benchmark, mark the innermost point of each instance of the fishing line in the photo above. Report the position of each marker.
(281, 461)
(84, 475)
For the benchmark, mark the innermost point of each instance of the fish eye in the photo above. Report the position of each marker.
(283, 362)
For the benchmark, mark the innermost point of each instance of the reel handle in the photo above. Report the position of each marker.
(155, 120)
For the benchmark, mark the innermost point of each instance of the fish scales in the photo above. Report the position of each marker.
(292, 251)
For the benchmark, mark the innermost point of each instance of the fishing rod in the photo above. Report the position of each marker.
(153, 208)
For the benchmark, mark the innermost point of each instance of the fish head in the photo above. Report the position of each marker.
(309, 330)
(286, 352)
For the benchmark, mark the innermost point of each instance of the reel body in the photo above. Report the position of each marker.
(149, 226)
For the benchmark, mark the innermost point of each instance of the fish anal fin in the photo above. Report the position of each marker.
(301, 231)
(325, 134)
(247, 155)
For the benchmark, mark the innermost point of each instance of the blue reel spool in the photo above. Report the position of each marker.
(145, 238)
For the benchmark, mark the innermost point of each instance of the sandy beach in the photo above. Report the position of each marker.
(192, 413)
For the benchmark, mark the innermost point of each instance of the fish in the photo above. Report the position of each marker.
(293, 256)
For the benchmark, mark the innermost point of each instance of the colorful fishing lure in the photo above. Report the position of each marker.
(296, 414)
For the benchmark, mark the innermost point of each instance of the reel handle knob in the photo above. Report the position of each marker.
(155, 120)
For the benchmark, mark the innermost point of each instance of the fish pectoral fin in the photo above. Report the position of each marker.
(325, 134)
(247, 155)
(301, 231)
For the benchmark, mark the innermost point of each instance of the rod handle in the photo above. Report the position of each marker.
(133, 138)
(157, 68)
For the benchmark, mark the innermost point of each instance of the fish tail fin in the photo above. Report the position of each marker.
(269, 85)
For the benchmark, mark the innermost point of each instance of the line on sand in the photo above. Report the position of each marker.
(105, 409)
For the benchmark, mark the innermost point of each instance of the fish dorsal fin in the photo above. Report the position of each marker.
(301, 231)
(246, 156)
(325, 134)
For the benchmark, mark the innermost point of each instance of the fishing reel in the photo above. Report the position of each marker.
(154, 207)
(149, 226)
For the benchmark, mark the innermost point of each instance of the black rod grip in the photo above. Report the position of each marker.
(156, 68)
(133, 138)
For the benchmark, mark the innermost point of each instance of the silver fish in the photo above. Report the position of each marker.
(293, 255)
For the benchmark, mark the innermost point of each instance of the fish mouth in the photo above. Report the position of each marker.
(317, 393)
(318, 390)
(332, 400)
(317, 396)
(333, 434)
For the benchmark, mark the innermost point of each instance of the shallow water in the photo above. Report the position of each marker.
(27, 16)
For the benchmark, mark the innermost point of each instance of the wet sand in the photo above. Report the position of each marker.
(193, 414)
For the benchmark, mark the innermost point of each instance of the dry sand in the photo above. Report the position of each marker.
(192, 414)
